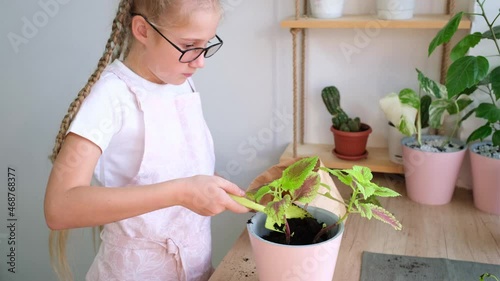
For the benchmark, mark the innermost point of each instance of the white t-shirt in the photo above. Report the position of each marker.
(110, 118)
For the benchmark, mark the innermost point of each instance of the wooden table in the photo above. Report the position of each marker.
(456, 231)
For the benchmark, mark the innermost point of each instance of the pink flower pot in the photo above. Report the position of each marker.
(277, 262)
(431, 176)
(485, 181)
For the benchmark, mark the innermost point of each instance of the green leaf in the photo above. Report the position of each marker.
(294, 175)
(495, 82)
(431, 87)
(463, 46)
(496, 138)
(489, 112)
(406, 127)
(425, 102)
(446, 33)
(257, 196)
(308, 190)
(465, 73)
(462, 103)
(489, 35)
(480, 133)
(345, 179)
(436, 110)
(409, 97)
(385, 192)
(369, 189)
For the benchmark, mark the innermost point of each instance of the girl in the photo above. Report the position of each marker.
(138, 128)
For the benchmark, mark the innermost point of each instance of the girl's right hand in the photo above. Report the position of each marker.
(208, 195)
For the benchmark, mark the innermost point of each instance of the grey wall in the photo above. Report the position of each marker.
(246, 91)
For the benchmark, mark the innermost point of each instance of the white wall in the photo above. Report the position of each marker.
(246, 91)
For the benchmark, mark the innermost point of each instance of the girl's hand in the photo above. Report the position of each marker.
(208, 195)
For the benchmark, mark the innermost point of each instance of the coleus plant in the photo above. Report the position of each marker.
(300, 183)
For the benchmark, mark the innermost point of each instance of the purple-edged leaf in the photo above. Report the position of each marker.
(278, 211)
(295, 174)
(275, 210)
(308, 190)
(383, 215)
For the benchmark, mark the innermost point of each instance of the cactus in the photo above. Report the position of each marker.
(340, 119)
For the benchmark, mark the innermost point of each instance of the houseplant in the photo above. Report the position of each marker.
(283, 203)
(432, 162)
(402, 119)
(350, 134)
(468, 74)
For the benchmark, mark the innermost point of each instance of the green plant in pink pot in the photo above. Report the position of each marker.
(474, 74)
(287, 232)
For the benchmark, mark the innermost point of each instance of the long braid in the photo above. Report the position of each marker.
(115, 41)
(114, 49)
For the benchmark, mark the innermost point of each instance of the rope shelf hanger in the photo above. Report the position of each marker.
(301, 10)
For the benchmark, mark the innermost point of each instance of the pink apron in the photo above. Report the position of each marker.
(169, 244)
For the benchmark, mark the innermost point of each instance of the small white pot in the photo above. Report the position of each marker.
(395, 147)
(395, 9)
(326, 9)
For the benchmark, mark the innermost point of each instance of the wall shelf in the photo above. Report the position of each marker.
(371, 21)
(377, 160)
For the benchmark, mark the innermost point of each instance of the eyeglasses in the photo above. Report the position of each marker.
(188, 55)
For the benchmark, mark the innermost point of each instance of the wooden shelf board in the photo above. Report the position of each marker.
(371, 21)
(377, 160)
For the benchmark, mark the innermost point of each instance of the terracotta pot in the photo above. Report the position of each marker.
(289, 262)
(431, 176)
(485, 181)
(351, 144)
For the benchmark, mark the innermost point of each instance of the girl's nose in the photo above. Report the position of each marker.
(199, 62)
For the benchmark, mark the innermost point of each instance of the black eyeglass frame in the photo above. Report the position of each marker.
(203, 51)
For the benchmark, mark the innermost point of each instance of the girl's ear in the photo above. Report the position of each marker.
(139, 29)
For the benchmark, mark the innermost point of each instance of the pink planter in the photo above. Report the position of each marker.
(486, 182)
(431, 176)
(276, 262)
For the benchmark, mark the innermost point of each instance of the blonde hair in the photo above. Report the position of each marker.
(118, 46)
